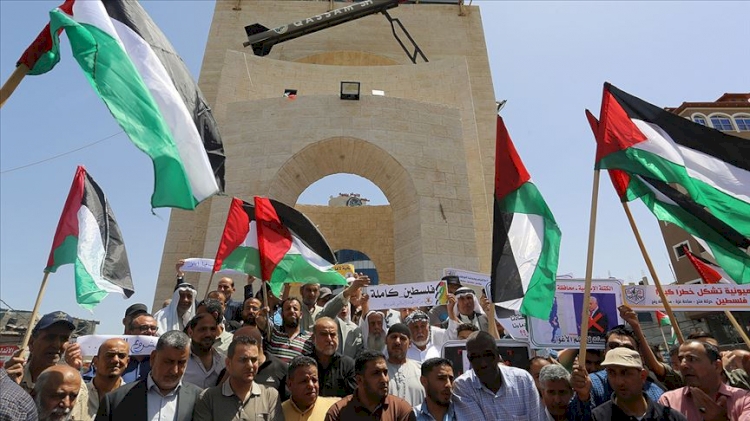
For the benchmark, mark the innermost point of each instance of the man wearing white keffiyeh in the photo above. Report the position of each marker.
(468, 309)
(180, 310)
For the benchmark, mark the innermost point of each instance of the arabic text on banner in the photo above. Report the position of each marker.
(199, 264)
(468, 278)
(407, 295)
(692, 297)
(562, 328)
(139, 345)
(515, 326)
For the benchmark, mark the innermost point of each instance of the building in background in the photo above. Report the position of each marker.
(730, 114)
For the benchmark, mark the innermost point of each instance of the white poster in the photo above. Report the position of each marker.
(693, 297)
(139, 344)
(468, 278)
(199, 264)
(563, 327)
(407, 295)
(515, 326)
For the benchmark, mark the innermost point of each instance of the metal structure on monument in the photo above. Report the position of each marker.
(262, 39)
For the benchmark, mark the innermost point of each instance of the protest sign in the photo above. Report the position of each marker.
(468, 278)
(514, 353)
(515, 326)
(692, 297)
(407, 295)
(199, 264)
(563, 327)
(6, 351)
(345, 269)
(139, 344)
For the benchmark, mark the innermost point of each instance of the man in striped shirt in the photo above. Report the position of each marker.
(288, 340)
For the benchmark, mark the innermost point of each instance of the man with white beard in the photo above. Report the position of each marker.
(426, 340)
(373, 332)
(56, 391)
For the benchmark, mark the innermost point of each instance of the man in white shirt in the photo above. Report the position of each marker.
(403, 373)
(426, 340)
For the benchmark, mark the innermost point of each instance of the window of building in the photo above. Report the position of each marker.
(743, 122)
(722, 122)
(700, 119)
(679, 253)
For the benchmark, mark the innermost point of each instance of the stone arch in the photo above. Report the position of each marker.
(393, 253)
(348, 58)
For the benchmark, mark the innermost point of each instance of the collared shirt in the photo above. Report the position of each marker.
(738, 403)
(160, 407)
(350, 408)
(308, 316)
(601, 391)
(404, 381)
(94, 399)
(285, 347)
(424, 414)
(137, 370)
(222, 341)
(221, 403)
(609, 411)
(198, 375)
(430, 351)
(80, 409)
(15, 403)
(317, 412)
(517, 397)
(338, 378)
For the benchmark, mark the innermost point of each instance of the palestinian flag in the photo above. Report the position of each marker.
(709, 272)
(687, 174)
(663, 319)
(525, 240)
(276, 243)
(88, 237)
(147, 88)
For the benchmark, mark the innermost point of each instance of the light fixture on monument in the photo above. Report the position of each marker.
(350, 91)
(290, 93)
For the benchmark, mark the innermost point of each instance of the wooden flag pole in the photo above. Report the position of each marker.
(589, 270)
(269, 323)
(34, 313)
(666, 344)
(210, 281)
(737, 327)
(652, 271)
(12, 83)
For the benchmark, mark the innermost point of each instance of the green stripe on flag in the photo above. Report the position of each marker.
(66, 253)
(295, 268)
(243, 259)
(538, 298)
(88, 293)
(112, 74)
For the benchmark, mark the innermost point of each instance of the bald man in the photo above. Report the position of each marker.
(56, 392)
(110, 363)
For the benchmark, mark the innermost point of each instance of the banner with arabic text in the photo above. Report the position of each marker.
(468, 278)
(692, 297)
(417, 294)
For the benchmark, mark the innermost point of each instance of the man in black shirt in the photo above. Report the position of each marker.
(627, 376)
(335, 371)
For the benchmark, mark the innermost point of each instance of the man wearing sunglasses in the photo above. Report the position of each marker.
(594, 389)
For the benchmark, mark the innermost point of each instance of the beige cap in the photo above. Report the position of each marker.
(623, 357)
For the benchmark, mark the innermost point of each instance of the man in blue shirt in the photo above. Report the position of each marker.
(593, 389)
(437, 380)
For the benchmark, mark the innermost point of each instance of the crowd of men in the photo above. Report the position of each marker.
(327, 356)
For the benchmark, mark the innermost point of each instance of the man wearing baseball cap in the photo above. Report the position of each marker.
(49, 340)
(627, 376)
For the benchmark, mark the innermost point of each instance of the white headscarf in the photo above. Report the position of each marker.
(477, 307)
(365, 326)
(167, 318)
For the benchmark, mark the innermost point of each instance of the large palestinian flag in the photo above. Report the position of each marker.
(276, 243)
(687, 174)
(526, 239)
(88, 237)
(147, 88)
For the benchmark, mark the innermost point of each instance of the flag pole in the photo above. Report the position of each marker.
(589, 269)
(269, 324)
(34, 312)
(737, 327)
(666, 344)
(652, 271)
(210, 281)
(12, 83)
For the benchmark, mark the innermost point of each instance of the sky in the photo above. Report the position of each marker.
(548, 60)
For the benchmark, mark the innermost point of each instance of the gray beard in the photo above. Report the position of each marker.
(49, 415)
(375, 343)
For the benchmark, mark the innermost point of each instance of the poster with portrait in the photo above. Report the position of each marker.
(563, 327)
